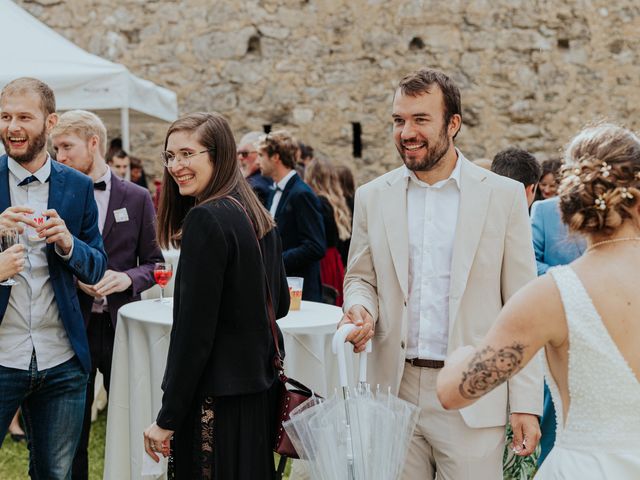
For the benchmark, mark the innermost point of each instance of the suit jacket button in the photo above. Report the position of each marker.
(402, 344)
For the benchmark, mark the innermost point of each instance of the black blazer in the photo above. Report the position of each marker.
(329, 220)
(301, 228)
(221, 342)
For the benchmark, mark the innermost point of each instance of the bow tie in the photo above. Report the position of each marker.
(102, 185)
(278, 189)
(29, 179)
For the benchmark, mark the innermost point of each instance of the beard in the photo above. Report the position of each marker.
(432, 157)
(35, 146)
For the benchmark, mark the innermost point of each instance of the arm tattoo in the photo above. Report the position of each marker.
(489, 368)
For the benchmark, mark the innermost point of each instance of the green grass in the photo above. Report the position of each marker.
(14, 457)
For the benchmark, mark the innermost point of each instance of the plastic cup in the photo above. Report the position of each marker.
(295, 292)
(37, 217)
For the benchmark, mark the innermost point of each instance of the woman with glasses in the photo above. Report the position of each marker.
(220, 385)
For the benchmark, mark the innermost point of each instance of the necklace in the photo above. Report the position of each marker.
(613, 240)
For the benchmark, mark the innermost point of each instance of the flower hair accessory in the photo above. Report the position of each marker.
(625, 193)
(605, 169)
(575, 180)
(600, 203)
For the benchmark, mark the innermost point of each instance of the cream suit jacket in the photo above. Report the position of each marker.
(492, 258)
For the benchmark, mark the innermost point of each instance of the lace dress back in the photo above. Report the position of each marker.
(601, 434)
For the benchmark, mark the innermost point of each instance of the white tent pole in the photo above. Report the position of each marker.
(124, 127)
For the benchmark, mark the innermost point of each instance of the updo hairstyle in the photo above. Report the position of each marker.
(600, 179)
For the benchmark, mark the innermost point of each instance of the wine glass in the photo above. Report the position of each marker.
(162, 273)
(8, 238)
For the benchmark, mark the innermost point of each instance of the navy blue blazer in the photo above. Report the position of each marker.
(71, 195)
(299, 221)
(261, 186)
(552, 242)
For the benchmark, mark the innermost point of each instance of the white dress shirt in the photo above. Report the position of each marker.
(432, 213)
(102, 200)
(32, 320)
(279, 189)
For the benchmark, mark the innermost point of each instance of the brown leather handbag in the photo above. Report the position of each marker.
(292, 393)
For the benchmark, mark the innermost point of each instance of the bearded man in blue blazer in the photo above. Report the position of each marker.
(127, 222)
(44, 355)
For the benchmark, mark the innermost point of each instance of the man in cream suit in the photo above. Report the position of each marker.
(438, 246)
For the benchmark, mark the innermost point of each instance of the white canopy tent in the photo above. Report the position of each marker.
(78, 78)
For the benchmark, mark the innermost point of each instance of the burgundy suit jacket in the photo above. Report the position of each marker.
(131, 245)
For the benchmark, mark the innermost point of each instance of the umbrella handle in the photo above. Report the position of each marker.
(338, 349)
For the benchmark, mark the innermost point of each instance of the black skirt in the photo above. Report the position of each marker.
(227, 438)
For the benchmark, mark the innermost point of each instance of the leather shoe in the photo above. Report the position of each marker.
(18, 437)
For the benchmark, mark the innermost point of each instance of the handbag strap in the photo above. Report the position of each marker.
(277, 361)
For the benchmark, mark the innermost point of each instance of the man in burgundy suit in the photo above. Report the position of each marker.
(126, 219)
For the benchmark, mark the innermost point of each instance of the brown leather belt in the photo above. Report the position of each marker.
(419, 362)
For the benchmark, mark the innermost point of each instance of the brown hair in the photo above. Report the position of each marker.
(553, 166)
(422, 81)
(282, 143)
(322, 178)
(601, 179)
(33, 85)
(134, 162)
(113, 153)
(215, 135)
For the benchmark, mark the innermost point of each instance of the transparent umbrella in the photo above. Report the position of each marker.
(357, 434)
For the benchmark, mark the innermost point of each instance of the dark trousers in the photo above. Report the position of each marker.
(101, 335)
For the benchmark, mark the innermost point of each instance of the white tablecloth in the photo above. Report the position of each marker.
(139, 358)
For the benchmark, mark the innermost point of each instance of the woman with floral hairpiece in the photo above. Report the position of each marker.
(585, 315)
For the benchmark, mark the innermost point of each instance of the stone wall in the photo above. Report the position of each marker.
(531, 72)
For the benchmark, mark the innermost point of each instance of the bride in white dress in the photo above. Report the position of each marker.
(586, 317)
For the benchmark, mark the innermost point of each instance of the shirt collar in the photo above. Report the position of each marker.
(106, 178)
(283, 183)
(453, 177)
(42, 174)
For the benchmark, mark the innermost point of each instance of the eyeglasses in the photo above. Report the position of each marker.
(245, 154)
(183, 158)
